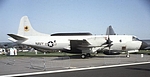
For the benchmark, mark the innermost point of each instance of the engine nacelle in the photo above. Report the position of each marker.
(107, 52)
(75, 51)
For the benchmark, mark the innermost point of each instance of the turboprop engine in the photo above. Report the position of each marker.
(111, 52)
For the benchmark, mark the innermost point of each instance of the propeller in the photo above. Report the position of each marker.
(108, 42)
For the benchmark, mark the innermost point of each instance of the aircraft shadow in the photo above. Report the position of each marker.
(105, 56)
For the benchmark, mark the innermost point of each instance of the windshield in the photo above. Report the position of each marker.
(135, 38)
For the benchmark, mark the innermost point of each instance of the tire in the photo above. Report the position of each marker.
(83, 56)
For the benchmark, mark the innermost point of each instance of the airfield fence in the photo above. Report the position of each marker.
(9, 60)
(46, 63)
(37, 63)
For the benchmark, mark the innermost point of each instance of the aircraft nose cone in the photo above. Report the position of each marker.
(143, 45)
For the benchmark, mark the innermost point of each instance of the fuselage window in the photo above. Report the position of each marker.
(120, 40)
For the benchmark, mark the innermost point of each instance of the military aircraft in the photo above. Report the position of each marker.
(77, 43)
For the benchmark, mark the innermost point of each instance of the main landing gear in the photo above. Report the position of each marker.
(83, 56)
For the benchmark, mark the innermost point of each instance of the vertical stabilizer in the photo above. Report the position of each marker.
(26, 29)
(110, 31)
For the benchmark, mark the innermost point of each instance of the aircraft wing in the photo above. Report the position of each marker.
(79, 43)
(87, 43)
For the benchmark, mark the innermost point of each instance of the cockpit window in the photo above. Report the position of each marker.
(135, 38)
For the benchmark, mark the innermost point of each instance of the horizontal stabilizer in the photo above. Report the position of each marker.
(17, 37)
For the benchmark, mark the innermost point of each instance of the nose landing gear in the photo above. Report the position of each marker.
(128, 55)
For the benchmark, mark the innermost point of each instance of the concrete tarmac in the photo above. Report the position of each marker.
(142, 70)
(22, 65)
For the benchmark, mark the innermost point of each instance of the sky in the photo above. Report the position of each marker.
(130, 17)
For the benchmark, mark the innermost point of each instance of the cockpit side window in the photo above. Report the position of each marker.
(134, 38)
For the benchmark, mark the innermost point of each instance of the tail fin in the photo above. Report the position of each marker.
(26, 29)
(110, 31)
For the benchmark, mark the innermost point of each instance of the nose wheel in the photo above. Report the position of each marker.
(128, 55)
